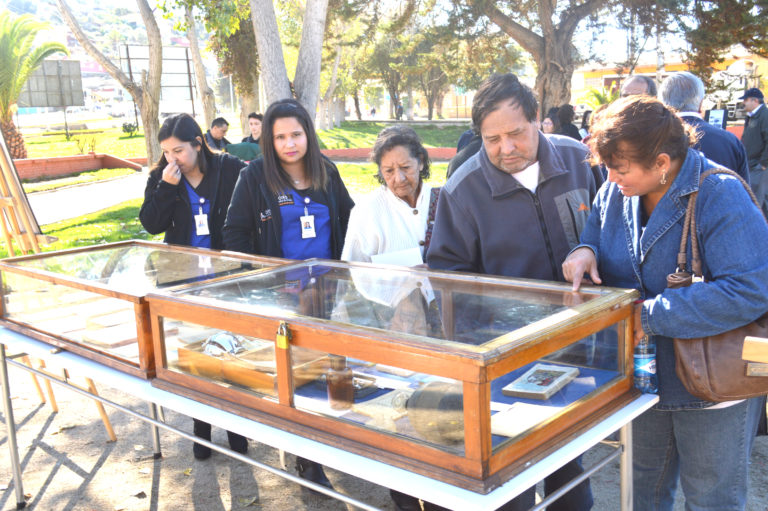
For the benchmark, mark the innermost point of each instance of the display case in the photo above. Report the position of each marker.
(91, 300)
(463, 378)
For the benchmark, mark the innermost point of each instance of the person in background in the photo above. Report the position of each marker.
(254, 124)
(215, 137)
(684, 92)
(276, 196)
(566, 114)
(187, 195)
(631, 240)
(516, 209)
(755, 135)
(584, 128)
(637, 85)
(548, 126)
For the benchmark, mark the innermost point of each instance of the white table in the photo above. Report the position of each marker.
(374, 471)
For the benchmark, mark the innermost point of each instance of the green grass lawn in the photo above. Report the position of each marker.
(75, 179)
(112, 141)
(363, 134)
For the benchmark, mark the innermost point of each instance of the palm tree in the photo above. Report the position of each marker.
(18, 59)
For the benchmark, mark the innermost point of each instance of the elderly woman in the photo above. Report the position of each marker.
(394, 217)
(631, 240)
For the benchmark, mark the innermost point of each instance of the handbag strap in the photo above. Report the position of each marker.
(689, 224)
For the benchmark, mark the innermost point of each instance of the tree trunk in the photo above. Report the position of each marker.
(552, 50)
(13, 140)
(249, 103)
(409, 110)
(325, 116)
(147, 93)
(439, 104)
(204, 92)
(307, 81)
(356, 99)
(270, 50)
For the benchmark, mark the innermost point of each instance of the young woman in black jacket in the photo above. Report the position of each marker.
(290, 203)
(187, 196)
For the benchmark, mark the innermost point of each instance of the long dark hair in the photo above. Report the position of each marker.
(278, 179)
(186, 129)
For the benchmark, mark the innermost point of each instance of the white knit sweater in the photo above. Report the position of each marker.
(382, 223)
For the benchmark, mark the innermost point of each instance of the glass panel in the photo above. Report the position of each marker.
(418, 407)
(395, 300)
(138, 269)
(223, 357)
(103, 323)
(535, 394)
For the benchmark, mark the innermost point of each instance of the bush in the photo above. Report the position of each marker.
(130, 128)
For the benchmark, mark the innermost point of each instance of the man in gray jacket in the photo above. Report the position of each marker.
(516, 208)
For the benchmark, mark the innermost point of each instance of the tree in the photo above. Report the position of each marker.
(306, 83)
(545, 30)
(145, 93)
(19, 58)
(204, 92)
(714, 27)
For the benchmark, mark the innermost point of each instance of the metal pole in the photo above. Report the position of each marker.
(625, 441)
(11, 427)
(155, 431)
(130, 75)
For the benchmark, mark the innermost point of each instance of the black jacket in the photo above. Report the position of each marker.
(254, 224)
(166, 207)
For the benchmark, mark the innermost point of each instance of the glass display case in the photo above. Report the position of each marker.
(91, 300)
(460, 377)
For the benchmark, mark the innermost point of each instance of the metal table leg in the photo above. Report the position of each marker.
(11, 427)
(625, 440)
(155, 431)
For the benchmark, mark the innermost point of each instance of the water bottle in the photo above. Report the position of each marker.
(646, 380)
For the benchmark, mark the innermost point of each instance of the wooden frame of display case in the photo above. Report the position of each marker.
(146, 365)
(479, 469)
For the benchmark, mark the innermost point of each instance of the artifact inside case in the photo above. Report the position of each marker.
(470, 376)
(92, 298)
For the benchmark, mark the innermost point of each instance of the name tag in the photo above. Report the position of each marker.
(201, 224)
(307, 226)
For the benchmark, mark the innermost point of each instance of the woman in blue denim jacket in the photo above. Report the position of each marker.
(631, 240)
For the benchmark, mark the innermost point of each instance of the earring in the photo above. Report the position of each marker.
(664, 177)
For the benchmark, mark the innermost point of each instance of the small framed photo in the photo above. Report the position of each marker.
(541, 381)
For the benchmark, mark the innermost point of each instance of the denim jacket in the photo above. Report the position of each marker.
(733, 243)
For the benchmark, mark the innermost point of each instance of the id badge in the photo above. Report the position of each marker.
(201, 224)
(307, 226)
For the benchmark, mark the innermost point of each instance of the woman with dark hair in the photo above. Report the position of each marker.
(565, 115)
(187, 195)
(290, 203)
(291, 184)
(394, 217)
(631, 240)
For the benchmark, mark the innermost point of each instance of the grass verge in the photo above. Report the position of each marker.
(76, 179)
(363, 134)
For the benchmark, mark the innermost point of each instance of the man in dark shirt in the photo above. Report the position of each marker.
(214, 137)
(685, 93)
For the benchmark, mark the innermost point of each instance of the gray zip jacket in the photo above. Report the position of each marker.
(487, 222)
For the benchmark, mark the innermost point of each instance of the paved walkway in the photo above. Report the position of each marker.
(75, 201)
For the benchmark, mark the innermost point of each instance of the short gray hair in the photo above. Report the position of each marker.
(682, 91)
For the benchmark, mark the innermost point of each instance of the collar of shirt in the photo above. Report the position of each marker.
(689, 114)
(529, 176)
(753, 112)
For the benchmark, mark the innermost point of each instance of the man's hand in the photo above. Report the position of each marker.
(579, 262)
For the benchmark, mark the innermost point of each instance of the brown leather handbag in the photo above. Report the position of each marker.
(711, 368)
